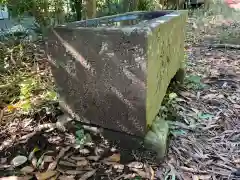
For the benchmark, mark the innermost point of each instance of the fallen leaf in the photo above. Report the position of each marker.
(52, 165)
(236, 161)
(67, 163)
(16, 178)
(113, 158)
(187, 94)
(84, 151)
(74, 172)
(62, 152)
(205, 177)
(93, 158)
(130, 176)
(115, 165)
(82, 163)
(34, 162)
(27, 169)
(48, 159)
(150, 172)
(236, 106)
(98, 151)
(141, 173)
(195, 177)
(55, 177)
(66, 177)
(45, 175)
(77, 158)
(11, 108)
(209, 96)
(137, 165)
(19, 160)
(118, 167)
(88, 175)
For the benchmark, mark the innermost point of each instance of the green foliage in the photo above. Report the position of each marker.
(168, 108)
(109, 7)
(26, 88)
(145, 5)
(194, 82)
(81, 137)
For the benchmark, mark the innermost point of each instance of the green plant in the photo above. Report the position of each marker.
(168, 108)
(194, 82)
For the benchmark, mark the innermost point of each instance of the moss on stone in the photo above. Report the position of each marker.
(165, 58)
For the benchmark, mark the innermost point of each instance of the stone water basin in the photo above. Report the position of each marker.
(114, 71)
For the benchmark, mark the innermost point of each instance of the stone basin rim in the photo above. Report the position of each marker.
(147, 26)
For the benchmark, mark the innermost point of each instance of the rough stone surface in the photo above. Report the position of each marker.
(156, 138)
(165, 58)
(116, 76)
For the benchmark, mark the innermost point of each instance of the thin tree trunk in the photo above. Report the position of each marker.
(91, 9)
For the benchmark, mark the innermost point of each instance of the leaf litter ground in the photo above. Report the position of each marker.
(205, 141)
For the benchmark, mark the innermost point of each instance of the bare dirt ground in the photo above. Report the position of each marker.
(205, 127)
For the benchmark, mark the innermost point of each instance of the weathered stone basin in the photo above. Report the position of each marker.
(114, 71)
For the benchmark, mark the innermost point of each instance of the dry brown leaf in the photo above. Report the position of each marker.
(93, 158)
(209, 96)
(82, 163)
(205, 177)
(34, 161)
(27, 169)
(62, 152)
(120, 177)
(87, 175)
(195, 177)
(236, 106)
(55, 177)
(151, 173)
(98, 151)
(115, 165)
(68, 155)
(67, 163)
(16, 178)
(236, 161)
(74, 172)
(48, 159)
(84, 151)
(45, 175)
(113, 158)
(66, 177)
(130, 176)
(186, 176)
(141, 173)
(187, 95)
(118, 167)
(78, 158)
(192, 170)
(135, 164)
(52, 165)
